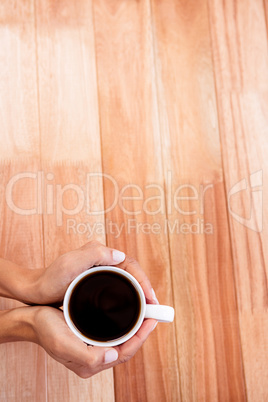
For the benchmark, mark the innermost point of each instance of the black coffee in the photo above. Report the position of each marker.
(104, 306)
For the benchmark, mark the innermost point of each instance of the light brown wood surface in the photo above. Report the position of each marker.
(167, 97)
(70, 147)
(241, 73)
(22, 369)
(130, 138)
(209, 345)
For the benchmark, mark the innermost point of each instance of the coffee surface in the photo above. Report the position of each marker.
(104, 306)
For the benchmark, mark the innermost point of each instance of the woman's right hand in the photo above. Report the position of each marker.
(52, 333)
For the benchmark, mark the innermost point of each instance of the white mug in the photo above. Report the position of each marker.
(155, 311)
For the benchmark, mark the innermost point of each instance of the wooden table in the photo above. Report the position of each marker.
(143, 124)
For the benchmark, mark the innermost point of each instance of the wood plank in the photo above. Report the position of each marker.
(22, 371)
(241, 71)
(131, 154)
(210, 362)
(239, 45)
(70, 147)
(158, 127)
(266, 14)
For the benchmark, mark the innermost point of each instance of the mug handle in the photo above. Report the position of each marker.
(159, 312)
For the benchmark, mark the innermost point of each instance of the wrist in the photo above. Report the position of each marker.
(19, 283)
(18, 325)
(29, 291)
(33, 293)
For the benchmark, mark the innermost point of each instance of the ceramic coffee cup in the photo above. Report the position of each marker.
(116, 296)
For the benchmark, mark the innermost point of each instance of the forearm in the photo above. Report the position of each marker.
(17, 325)
(17, 282)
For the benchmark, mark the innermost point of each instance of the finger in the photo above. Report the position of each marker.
(75, 354)
(86, 360)
(133, 267)
(98, 359)
(129, 348)
(99, 356)
(95, 253)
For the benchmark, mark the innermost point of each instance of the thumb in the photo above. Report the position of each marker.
(83, 359)
(99, 358)
(95, 253)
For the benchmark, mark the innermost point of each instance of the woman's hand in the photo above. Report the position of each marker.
(48, 286)
(46, 326)
(57, 339)
(53, 282)
(53, 334)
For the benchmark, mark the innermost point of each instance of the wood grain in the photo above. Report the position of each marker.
(22, 370)
(168, 99)
(210, 361)
(131, 154)
(242, 105)
(70, 149)
(266, 14)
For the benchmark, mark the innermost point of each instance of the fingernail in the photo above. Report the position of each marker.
(154, 326)
(154, 296)
(118, 256)
(110, 356)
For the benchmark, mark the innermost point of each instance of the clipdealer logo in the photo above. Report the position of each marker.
(173, 202)
(152, 199)
(254, 218)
